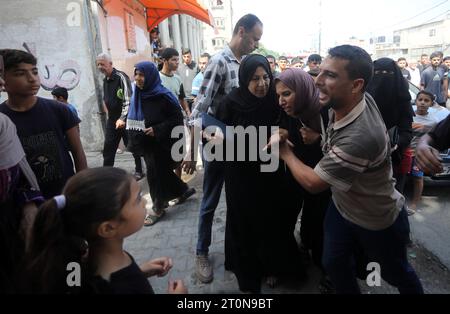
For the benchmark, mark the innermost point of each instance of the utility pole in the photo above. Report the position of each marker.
(320, 26)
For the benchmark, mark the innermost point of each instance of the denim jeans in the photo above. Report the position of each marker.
(387, 247)
(213, 179)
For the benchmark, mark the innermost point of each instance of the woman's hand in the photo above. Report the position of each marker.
(215, 138)
(309, 136)
(159, 266)
(278, 138)
(149, 132)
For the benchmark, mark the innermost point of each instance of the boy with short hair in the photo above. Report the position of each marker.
(423, 123)
(62, 95)
(171, 80)
(42, 124)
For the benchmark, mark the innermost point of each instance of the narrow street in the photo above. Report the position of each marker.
(176, 235)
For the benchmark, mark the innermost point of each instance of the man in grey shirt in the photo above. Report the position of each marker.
(366, 209)
(434, 79)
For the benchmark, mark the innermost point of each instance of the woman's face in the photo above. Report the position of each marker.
(259, 83)
(286, 98)
(139, 78)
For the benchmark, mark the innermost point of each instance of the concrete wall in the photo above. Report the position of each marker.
(112, 29)
(56, 33)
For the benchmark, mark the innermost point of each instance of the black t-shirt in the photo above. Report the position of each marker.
(42, 133)
(441, 134)
(128, 280)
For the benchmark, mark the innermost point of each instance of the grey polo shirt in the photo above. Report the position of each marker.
(357, 165)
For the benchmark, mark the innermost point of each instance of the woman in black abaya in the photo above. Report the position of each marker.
(261, 206)
(154, 113)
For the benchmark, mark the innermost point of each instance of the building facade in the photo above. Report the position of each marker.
(414, 41)
(67, 35)
(214, 39)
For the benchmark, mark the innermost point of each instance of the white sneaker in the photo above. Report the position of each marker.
(410, 211)
(203, 269)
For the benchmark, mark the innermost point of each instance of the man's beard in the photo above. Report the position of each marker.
(331, 104)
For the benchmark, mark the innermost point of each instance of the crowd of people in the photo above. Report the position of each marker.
(341, 128)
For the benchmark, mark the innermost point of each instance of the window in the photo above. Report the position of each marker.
(217, 4)
(396, 39)
(130, 33)
(219, 23)
(381, 39)
(432, 32)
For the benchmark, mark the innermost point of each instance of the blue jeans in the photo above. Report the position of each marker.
(213, 179)
(387, 247)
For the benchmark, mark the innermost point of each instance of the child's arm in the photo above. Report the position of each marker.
(73, 137)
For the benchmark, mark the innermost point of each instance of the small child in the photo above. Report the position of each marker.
(87, 225)
(422, 124)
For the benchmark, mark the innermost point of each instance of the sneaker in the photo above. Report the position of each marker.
(138, 175)
(119, 151)
(410, 211)
(203, 269)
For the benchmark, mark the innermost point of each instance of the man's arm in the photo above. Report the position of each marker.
(190, 160)
(183, 101)
(445, 87)
(427, 157)
(303, 174)
(73, 137)
(126, 98)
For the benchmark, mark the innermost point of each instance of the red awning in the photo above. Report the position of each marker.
(159, 10)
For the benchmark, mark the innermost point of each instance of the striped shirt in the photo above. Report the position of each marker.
(220, 77)
(357, 165)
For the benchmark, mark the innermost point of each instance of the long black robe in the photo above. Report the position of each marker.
(314, 205)
(262, 208)
(163, 116)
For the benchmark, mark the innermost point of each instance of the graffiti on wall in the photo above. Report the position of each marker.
(67, 74)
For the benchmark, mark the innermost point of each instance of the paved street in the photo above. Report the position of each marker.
(176, 235)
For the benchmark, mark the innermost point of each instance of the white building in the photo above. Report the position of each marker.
(414, 41)
(214, 39)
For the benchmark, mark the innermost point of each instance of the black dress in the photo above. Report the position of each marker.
(163, 116)
(314, 205)
(262, 207)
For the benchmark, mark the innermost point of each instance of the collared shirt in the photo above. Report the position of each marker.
(197, 83)
(117, 95)
(220, 77)
(357, 165)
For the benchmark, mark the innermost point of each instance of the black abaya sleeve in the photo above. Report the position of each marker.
(173, 118)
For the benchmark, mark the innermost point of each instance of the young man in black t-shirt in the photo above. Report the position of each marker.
(42, 124)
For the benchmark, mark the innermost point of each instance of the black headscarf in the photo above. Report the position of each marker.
(245, 100)
(389, 89)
